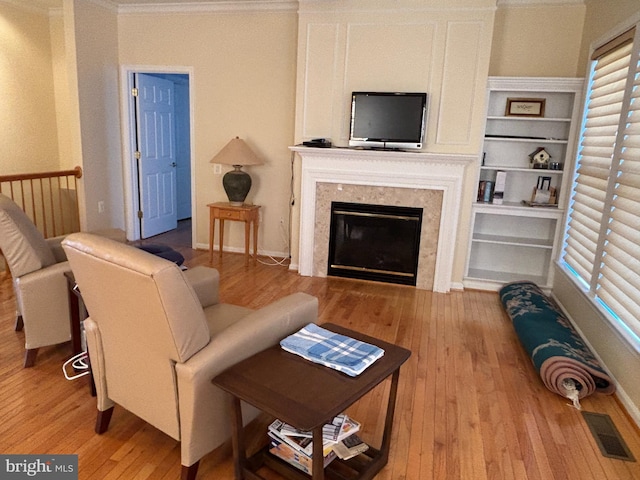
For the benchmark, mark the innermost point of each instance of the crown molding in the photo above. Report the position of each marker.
(230, 6)
(535, 3)
(334, 6)
(106, 4)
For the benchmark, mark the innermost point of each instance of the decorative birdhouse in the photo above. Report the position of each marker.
(539, 158)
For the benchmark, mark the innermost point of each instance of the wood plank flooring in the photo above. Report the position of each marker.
(470, 405)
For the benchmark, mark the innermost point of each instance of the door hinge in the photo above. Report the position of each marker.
(137, 155)
(134, 92)
(140, 214)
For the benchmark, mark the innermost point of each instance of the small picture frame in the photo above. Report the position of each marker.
(525, 107)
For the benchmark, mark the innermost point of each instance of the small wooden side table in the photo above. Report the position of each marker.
(308, 395)
(241, 213)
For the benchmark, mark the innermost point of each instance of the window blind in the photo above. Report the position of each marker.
(602, 236)
(618, 284)
(606, 93)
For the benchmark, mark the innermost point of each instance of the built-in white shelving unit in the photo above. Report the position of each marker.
(514, 241)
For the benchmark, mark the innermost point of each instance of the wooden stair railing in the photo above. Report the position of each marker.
(50, 199)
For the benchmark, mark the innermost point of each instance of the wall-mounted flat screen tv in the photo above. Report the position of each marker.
(388, 120)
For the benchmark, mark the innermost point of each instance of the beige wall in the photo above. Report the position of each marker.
(243, 85)
(28, 134)
(92, 53)
(537, 41)
(604, 20)
(62, 88)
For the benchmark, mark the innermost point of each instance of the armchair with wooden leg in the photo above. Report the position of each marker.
(37, 267)
(158, 335)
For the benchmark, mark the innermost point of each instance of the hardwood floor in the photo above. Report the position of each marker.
(470, 405)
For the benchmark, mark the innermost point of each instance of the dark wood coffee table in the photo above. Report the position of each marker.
(308, 395)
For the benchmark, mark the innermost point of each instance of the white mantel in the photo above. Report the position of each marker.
(415, 170)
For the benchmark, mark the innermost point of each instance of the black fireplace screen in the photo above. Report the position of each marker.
(374, 242)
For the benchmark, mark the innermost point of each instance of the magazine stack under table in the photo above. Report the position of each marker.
(295, 446)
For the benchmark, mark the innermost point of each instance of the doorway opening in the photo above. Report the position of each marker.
(158, 130)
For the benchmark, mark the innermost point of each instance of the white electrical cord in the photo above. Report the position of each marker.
(286, 235)
(78, 362)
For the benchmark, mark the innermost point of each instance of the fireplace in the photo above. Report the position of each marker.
(374, 242)
(432, 181)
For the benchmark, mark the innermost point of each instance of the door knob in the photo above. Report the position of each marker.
(173, 164)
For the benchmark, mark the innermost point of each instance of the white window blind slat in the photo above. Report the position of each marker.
(606, 94)
(602, 244)
(578, 263)
(608, 69)
(621, 304)
(586, 237)
(619, 257)
(617, 305)
(619, 281)
(625, 288)
(628, 194)
(602, 140)
(594, 168)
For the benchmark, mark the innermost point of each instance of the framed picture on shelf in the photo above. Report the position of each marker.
(525, 107)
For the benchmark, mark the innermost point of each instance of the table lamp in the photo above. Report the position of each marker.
(236, 182)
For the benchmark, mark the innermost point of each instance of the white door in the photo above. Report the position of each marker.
(156, 147)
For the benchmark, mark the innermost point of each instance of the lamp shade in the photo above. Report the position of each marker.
(236, 183)
(236, 152)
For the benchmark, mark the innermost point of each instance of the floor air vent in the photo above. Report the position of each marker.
(607, 436)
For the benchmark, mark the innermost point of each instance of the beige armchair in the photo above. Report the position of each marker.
(156, 342)
(37, 267)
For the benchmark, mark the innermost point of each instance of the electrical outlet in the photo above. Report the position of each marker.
(217, 169)
(101, 206)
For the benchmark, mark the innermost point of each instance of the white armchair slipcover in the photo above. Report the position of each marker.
(156, 342)
(37, 267)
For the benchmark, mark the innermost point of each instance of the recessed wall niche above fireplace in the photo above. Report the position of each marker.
(374, 242)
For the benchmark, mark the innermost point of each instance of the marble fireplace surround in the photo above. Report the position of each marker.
(383, 177)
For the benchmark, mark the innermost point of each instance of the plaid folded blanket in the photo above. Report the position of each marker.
(333, 350)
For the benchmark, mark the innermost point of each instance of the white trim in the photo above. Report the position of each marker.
(537, 84)
(110, 5)
(533, 3)
(209, 7)
(230, 249)
(336, 6)
(128, 163)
